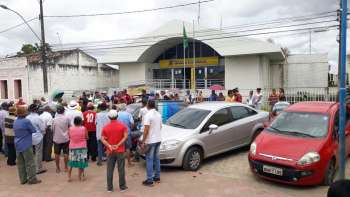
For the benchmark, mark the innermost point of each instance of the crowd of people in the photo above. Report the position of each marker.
(92, 128)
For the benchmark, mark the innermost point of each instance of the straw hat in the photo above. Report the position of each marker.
(12, 110)
(73, 105)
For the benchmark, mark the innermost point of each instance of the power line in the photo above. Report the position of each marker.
(18, 25)
(224, 37)
(295, 19)
(128, 12)
(108, 14)
(203, 37)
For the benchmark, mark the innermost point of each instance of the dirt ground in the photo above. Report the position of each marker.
(223, 175)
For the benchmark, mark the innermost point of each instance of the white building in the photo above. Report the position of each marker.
(306, 71)
(230, 61)
(69, 71)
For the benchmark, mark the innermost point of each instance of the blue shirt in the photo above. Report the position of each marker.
(23, 129)
(126, 118)
(102, 120)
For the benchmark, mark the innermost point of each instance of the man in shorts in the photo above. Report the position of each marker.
(60, 127)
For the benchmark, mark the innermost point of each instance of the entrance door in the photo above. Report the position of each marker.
(200, 78)
(179, 77)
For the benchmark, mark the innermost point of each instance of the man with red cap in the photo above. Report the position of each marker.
(90, 125)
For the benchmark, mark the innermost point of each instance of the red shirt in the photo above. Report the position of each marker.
(90, 120)
(114, 133)
(239, 98)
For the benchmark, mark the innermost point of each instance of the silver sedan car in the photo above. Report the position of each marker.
(206, 129)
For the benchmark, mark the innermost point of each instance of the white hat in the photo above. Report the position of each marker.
(112, 114)
(73, 105)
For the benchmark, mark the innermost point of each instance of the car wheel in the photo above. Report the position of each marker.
(330, 173)
(193, 159)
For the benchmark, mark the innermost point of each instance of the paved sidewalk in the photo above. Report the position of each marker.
(224, 175)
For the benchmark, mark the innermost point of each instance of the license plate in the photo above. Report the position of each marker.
(273, 170)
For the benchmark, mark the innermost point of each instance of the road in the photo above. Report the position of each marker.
(223, 175)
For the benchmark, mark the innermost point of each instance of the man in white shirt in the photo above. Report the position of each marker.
(37, 137)
(72, 112)
(142, 113)
(46, 117)
(151, 142)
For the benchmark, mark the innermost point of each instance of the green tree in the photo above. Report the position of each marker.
(29, 49)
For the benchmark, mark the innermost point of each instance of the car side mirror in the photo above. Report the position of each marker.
(212, 127)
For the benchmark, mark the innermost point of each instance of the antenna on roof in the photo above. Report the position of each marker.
(199, 11)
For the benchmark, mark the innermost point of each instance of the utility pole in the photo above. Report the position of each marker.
(342, 88)
(43, 48)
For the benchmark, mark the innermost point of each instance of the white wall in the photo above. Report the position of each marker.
(14, 69)
(131, 73)
(307, 70)
(242, 72)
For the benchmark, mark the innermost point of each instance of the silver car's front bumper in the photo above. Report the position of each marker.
(171, 157)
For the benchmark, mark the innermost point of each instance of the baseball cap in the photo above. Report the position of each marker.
(113, 114)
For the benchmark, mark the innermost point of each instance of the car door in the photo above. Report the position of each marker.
(335, 135)
(216, 141)
(244, 120)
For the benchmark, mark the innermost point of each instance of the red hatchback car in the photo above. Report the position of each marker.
(300, 146)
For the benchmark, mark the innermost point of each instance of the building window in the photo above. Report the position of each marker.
(4, 90)
(18, 88)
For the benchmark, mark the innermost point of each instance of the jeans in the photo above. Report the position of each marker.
(26, 166)
(153, 161)
(39, 157)
(100, 150)
(11, 157)
(92, 145)
(47, 146)
(118, 158)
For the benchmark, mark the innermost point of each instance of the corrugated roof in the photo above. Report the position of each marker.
(170, 34)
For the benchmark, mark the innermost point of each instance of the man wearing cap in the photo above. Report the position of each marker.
(90, 125)
(38, 136)
(72, 112)
(114, 135)
(101, 121)
(127, 119)
(46, 117)
(24, 129)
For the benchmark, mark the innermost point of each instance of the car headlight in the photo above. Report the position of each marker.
(253, 148)
(169, 145)
(309, 158)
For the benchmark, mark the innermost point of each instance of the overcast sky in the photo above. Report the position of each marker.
(84, 29)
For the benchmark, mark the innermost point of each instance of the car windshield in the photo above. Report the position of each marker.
(188, 118)
(301, 124)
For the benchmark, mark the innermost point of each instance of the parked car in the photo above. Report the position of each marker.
(300, 146)
(206, 129)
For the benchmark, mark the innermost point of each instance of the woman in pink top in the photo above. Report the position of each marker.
(77, 148)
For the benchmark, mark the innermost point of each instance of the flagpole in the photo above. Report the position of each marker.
(184, 59)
